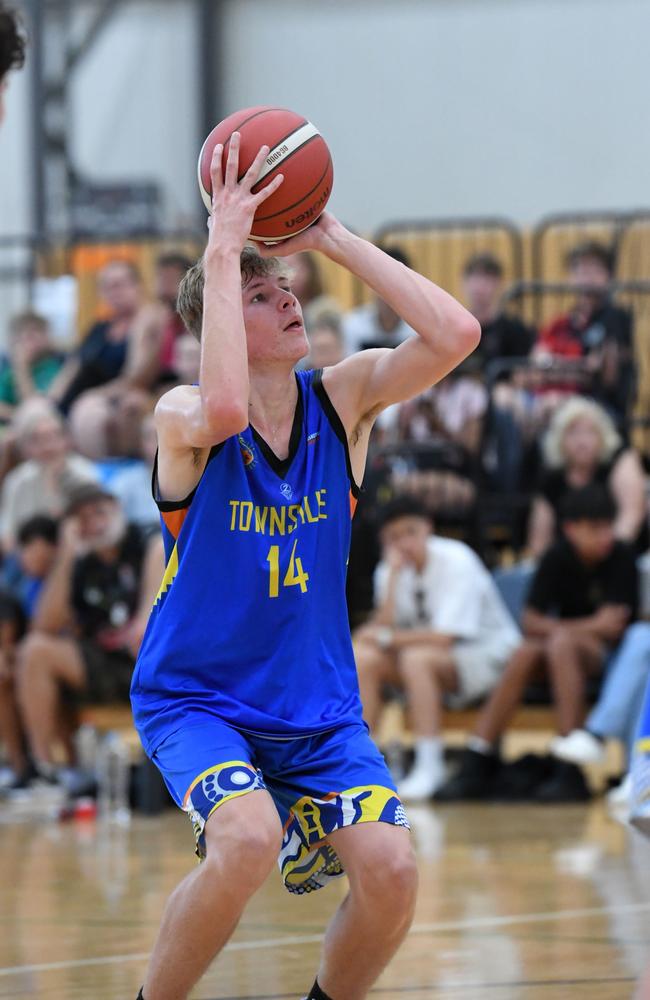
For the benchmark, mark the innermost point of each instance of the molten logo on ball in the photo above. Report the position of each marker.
(311, 213)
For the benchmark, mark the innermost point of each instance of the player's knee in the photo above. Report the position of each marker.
(252, 849)
(389, 873)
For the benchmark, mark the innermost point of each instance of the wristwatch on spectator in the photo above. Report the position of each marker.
(384, 636)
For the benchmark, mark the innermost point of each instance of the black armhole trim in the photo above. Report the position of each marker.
(336, 424)
(165, 506)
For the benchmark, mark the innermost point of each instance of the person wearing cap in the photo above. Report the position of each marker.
(90, 618)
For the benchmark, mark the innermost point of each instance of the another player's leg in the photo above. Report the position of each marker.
(242, 840)
(426, 672)
(366, 930)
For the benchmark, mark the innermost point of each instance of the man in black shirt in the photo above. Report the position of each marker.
(90, 619)
(582, 597)
(502, 336)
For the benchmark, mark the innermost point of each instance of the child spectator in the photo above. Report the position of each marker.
(594, 331)
(22, 578)
(582, 446)
(583, 596)
(440, 631)
(376, 324)
(41, 483)
(33, 362)
(91, 617)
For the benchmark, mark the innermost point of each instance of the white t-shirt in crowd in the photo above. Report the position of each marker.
(455, 595)
(361, 327)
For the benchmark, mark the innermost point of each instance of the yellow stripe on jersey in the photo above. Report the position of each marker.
(171, 569)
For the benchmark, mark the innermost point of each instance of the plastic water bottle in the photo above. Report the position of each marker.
(87, 747)
(113, 773)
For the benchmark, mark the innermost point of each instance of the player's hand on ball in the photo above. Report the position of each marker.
(233, 201)
(321, 235)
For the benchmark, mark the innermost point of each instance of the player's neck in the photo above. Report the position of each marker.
(272, 401)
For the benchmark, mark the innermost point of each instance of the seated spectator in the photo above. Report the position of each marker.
(583, 596)
(22, 578)
(502, 336)
(170, 269)
(376, 324)
(33, 362)
(616, 713)
(42, 482)
(102, 355)
(186, 359)
(326, 345)
(90, 619)
(440, 631)
(595, 332)
(582, 446)
(132, 485)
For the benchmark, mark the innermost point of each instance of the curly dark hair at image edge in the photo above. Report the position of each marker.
(12, 40)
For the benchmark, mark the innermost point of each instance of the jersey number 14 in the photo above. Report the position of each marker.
(295, 575)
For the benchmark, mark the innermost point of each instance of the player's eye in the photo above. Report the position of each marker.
(260, 297)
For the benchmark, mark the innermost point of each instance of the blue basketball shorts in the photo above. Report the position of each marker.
(319, 784)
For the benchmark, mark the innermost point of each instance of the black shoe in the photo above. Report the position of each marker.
(473, 780)
(567, 783)
(519, 780)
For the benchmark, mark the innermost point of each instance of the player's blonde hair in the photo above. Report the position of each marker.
(579, 408)
(190, 291)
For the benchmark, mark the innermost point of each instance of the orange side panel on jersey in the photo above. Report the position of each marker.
(174, 520)
(353, 504)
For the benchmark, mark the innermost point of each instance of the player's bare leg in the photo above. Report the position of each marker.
(243, 839)
(375, 916)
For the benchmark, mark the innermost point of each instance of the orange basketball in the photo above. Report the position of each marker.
(296, 149)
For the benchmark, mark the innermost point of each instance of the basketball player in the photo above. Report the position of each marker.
(12, 50)
(245, 691)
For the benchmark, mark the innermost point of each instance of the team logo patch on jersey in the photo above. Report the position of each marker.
(247, 453)
(313, 437)
(286, 490)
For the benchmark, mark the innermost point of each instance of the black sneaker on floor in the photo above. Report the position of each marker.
(567, 783)
(472, 781)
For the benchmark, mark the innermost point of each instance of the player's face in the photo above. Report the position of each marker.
(273, 319)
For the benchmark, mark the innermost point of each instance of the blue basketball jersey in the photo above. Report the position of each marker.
(250, 624)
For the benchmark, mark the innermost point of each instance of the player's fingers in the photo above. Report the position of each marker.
(216, 169)
(267, 191)
(232, 166)
(250, 177)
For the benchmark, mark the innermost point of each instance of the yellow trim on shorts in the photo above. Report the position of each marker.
(643, 745)
(215, 770)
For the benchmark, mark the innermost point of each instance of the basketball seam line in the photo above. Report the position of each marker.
(241, 124)
(288, 208)
(279, 143)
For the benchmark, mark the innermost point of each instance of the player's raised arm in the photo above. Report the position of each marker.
(447, 332)
(190, 418)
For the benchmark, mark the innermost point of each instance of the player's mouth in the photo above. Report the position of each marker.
(295, 324)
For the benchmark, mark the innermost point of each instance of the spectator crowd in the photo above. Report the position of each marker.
(522, 455)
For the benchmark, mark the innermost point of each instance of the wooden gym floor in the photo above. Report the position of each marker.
(516, 903)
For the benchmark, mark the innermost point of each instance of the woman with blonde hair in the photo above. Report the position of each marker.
(580, 447)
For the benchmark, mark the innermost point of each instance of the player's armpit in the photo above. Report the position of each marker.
(371, 380)
(182, 424)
